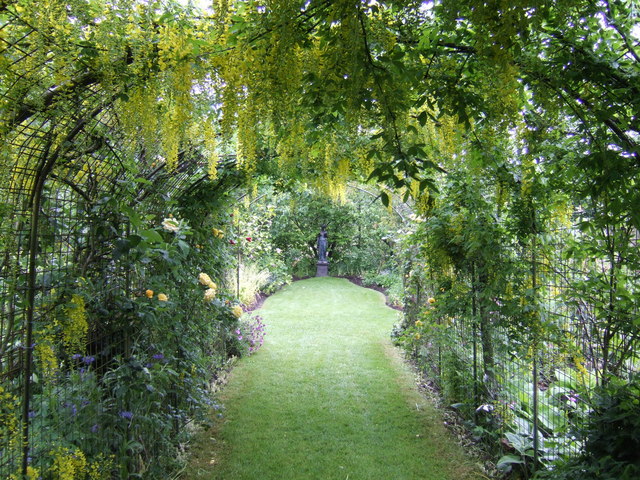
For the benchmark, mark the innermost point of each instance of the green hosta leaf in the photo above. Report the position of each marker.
(507, 461)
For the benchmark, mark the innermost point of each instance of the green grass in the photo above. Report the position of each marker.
(327, 397)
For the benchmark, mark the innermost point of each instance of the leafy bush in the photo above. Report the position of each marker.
(390, 281)
(612, 437)
(361, 233)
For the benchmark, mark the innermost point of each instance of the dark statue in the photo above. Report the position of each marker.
(322, 244)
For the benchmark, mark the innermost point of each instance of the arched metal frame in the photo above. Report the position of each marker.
(68, 156)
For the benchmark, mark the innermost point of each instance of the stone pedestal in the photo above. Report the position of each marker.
(323, 269)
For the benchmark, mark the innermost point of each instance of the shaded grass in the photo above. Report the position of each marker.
(327, 398)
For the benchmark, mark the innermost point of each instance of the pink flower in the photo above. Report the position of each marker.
(248, 239)
(232, 242)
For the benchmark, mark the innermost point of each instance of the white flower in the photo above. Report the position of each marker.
(171, 225)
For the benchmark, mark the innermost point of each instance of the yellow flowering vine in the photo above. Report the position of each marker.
(75, 328)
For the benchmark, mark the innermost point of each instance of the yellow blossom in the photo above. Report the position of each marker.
(205, 279)
(149, 293)
(68, 464)
(418, 323)
(431, 300)
(209, 294)
(162, 297)
(237, 311)
(32, 473)
(75, 326)
(417, 336)
(48, 360)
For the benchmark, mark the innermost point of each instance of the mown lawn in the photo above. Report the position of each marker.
(327, 397)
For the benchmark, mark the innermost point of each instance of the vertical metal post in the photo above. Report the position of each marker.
(36, 199)
(238, 274)
(474, 326)
(534, 285)
(28, 342)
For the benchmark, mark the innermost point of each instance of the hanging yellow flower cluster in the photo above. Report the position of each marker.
(46, 359)
(75, 328)
(9, 415)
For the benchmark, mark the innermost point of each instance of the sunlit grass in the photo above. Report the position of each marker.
(327, 398)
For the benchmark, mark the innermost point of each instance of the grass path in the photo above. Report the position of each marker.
(327, 397)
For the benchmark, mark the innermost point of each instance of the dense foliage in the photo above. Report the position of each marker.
(511, 127)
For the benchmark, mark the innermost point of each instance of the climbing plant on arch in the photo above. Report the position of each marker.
(111, 112)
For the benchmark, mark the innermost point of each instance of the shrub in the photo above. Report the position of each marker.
(612, 437)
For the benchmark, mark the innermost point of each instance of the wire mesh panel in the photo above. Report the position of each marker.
(66, 315)
(527, 375)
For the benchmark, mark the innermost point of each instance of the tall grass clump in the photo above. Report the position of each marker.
(252, 280)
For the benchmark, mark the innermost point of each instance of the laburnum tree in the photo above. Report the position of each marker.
(539, 98)
(498, 119)
(393, 89)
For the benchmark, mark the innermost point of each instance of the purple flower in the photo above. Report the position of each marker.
(76, 356)
(95, 428)
(88, 360)
(127, 415)
(158, 356)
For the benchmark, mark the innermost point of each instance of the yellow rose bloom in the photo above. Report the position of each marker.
(204, 279)
(162, 297)
(149, 293)
(431, 300)
(209, 294)
(237, 311)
